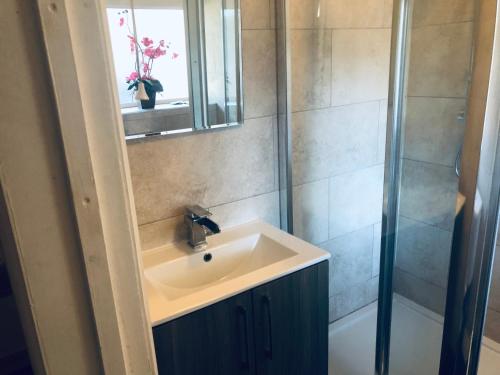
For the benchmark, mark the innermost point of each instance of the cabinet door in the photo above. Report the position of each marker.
(291, 323)
(216, 340)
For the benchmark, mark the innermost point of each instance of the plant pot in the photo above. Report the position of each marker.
(149, 104)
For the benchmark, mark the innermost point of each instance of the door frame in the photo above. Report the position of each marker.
(92, 133)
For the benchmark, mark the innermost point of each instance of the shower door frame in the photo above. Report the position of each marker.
(392, 180)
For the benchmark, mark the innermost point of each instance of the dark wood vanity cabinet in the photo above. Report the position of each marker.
(217, 339)
(278, 328)
(291, 323)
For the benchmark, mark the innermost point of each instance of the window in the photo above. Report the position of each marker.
(156, 25)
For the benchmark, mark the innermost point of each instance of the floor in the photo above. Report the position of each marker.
(415, 345)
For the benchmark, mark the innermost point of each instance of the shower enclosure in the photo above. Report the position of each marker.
(387, 132)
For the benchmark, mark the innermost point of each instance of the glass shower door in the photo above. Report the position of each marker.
(349, 189)
(435, 258)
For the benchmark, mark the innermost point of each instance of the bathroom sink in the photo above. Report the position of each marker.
(231, 260)
(179, 281)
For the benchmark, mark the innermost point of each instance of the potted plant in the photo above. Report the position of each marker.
(141, 80)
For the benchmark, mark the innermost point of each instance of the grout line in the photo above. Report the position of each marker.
(437, 97)
(471, 21)
(365, 167)
(260, 117)
(339, 28)
(419, 278)
(257, 29)
(426, 223)
(339, 106)
(349, 233)
(430, 163)
(210, 207)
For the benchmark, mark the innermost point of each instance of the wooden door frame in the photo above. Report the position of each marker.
(78, 51)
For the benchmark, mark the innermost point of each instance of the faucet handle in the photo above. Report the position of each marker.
(197, 212)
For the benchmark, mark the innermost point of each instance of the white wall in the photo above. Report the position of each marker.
(33, 178)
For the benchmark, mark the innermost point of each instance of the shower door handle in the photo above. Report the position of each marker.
(458, 161)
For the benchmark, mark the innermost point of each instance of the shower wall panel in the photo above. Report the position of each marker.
(339, 76)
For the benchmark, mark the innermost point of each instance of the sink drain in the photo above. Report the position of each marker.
(207, 257)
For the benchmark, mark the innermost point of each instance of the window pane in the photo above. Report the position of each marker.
(156, 25)
(167, 25)
(123, 58)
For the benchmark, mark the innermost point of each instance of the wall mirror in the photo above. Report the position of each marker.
(177, 64)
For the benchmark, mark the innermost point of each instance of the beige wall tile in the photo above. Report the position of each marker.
(208, 169)
(162, 232)
(377, 237)
(360, 65)
(351, 261)
(333, 141)
(428, 193)
(438, 12)
(259, 72)
(440, 60)
(310, 211)
(423, 251)
(382, 132)
(272, 14)
(352, 299)
(355, 13)
(356, 200)
(307, 14)
(311, 69)
(388, 12)
(432, 131)
(264, 207)
(419, 291)
(255, 14)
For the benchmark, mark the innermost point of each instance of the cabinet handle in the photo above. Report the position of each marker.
(268, 340)
(243, 324)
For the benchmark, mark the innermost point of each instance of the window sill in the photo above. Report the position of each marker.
(160, 110)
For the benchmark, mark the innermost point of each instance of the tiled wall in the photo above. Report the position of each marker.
(441, 43)
(340, 66)
(232, 171)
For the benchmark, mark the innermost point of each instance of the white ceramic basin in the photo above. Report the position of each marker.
(183, 275)
(178, 280)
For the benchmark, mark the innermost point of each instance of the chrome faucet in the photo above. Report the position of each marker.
(199, 226)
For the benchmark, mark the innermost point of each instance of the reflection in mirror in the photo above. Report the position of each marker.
(177, 64)
(221, 47)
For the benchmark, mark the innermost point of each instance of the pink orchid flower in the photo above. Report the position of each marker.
(133, 76)
(175, 55)
(146, 41)
(132, 43)
(122, 21)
